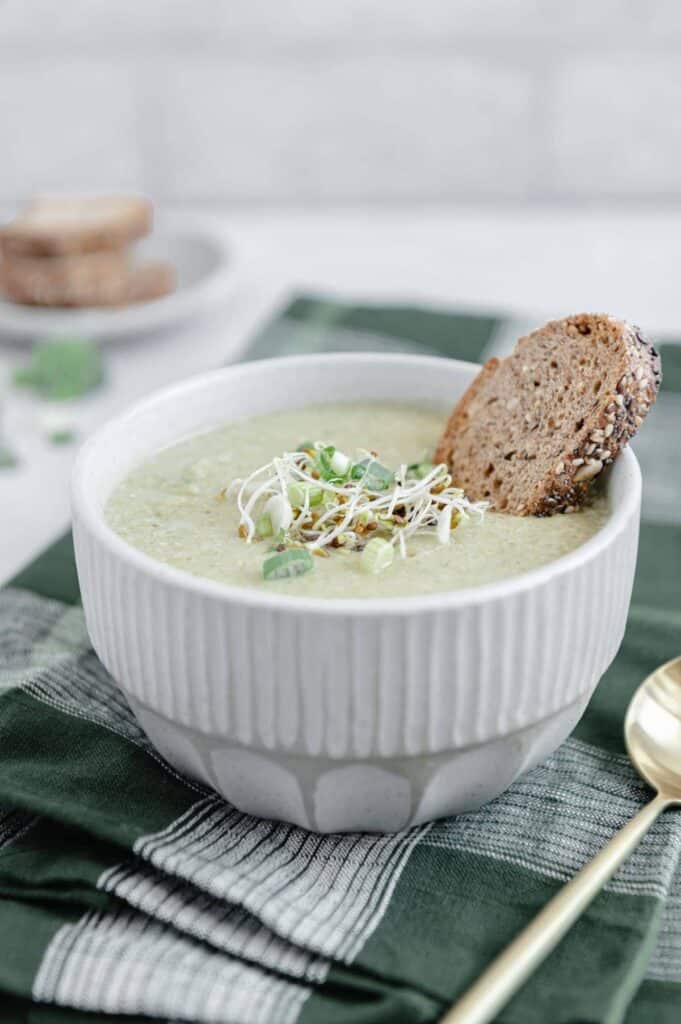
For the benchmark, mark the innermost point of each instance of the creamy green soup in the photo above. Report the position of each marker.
(176, 507)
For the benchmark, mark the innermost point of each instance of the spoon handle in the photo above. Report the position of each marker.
(510, 969)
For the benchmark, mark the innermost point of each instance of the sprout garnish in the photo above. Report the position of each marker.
(317, 497)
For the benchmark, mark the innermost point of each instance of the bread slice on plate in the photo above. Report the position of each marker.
(106, 278)
(67, 225)
(535, 429)
(62, 280)
(150, 281)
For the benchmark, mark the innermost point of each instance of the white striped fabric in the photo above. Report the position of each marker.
(665, 962)
(323, 892)
(25, 620)
(559, 815)
(130, 963)
(223, 925)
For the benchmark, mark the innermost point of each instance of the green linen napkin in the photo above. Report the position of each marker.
(128, 890)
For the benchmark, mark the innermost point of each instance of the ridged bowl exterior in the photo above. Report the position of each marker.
(351, 681)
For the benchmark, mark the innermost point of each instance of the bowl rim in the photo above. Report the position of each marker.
(85, 511)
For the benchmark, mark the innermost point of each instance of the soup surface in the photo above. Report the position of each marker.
(172, 507)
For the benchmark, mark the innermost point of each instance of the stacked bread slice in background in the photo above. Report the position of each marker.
(76, 251)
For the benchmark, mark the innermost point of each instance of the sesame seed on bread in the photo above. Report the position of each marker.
(67, 225)
(535, 429)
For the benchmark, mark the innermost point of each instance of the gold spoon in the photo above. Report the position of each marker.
(652, 731)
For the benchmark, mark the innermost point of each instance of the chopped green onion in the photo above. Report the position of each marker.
(263, 526)
(372, 475)
(420, 469)
(297, 493)
(377, 556)
(286, 564)
(325, 465)
(340, 463)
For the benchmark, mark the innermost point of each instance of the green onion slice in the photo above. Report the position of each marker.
(420, 469)
(263, 526)
(297, 493)
(286, 564)
(377, 556)
(372, 475)
(325, 467)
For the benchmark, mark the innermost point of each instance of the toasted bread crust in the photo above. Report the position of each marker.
(533, 466)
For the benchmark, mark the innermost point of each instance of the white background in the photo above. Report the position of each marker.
(317, 100)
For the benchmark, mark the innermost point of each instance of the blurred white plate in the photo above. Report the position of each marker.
(204, 263)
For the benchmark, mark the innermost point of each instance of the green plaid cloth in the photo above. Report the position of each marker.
(128, 892)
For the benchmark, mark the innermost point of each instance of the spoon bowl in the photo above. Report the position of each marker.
(652, 730)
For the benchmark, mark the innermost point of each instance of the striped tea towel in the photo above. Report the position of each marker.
(128, 892)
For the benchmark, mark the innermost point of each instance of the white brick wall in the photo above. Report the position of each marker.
(69, 123)
(318, 100)
(386, 127)
(615, 125)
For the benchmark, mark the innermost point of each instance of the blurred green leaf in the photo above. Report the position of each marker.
(62, 368)
(62, 437)
(8, 459)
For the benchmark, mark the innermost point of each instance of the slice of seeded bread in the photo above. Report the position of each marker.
(95, 279)
(150, 281)
(533, 430)
(62, 280)
(66, 225)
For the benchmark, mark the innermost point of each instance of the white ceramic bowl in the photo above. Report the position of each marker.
(344, 714)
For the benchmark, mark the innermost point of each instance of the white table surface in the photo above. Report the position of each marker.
(536, 264)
